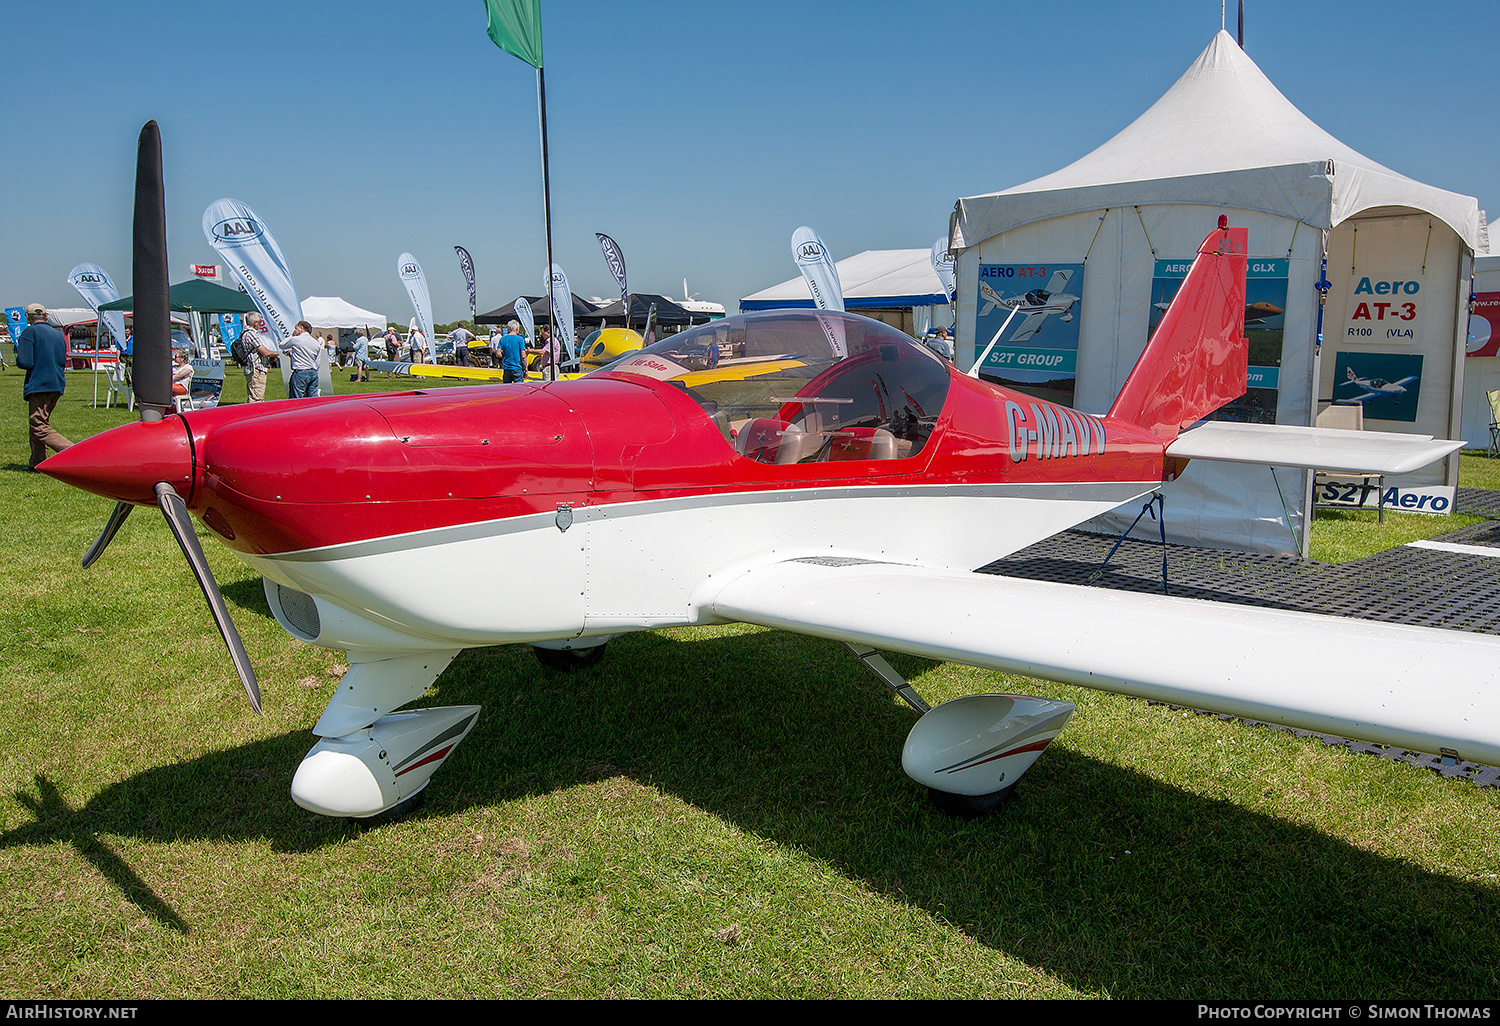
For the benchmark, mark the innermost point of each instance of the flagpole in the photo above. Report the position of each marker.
(541, 100)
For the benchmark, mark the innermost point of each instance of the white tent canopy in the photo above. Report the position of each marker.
(1222, 129)
(333, 312)
(882, 279)
(1223, 139)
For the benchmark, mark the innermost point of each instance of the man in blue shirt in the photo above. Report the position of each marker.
(42, 353)
(512, 353)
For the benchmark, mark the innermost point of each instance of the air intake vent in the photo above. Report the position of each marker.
(300, 612)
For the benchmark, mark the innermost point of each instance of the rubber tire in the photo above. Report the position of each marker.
(567, 660)
(397, 812)
(969, 806)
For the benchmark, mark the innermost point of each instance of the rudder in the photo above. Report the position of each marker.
(1198, 358)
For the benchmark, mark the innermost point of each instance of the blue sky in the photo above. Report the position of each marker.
(699, 135)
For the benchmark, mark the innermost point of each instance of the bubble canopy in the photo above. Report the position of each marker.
(802, 386)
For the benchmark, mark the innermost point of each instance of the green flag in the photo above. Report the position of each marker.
(516, 28)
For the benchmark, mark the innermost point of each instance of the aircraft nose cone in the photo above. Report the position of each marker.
(126, 462)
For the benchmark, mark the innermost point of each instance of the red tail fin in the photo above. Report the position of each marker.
(1196, 361)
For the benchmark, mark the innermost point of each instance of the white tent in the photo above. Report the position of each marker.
(333, 312)
(1224, 139)
(875, 282)
(1482, 373)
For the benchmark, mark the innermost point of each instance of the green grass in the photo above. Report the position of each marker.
(1342, 535)
(708, 812)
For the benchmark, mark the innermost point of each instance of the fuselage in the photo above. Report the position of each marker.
(504, 513)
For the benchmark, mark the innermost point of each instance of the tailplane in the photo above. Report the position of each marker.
(1196, 361)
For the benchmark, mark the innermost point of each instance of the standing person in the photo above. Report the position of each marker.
(418, 345)
(361, 357)
(461, 337)
(546, 348)
(257, 359)
(510, 354)
(42, 353)
(302, 349)
(392, 345)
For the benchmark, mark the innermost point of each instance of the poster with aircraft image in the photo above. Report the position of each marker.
(1037, 353)
(1265, 320)
(1387, 385)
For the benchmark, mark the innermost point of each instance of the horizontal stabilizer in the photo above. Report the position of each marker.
(1331, 449)
(1416, 687)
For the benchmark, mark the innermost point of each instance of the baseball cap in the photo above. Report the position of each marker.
(35, 310)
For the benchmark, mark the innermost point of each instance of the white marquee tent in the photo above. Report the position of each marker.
(875, 282)
(333, 312)
(1224, 139)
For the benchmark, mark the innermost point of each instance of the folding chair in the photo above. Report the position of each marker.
(1494, 398)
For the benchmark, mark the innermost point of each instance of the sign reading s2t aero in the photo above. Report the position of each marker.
(1038, 352)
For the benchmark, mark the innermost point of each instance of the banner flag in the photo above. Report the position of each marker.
(15, 321)
(416, 287)
(822, 279)
(942, 266)
(818, 269)
(467, 263)
(252, 254)
(562, 310)
(96, 288)
(616, 261)
(515, 26)
(528, 322)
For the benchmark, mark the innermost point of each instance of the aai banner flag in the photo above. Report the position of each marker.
(822, 278)
(467, 263)
(253, 256)
(416, 287)
(616, 261)
(942, 266)
(817, 269)
(562, 309)
(96, 289)
(528, 322)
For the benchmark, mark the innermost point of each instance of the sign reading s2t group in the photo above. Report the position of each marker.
(1265, 321)
(1038, 351)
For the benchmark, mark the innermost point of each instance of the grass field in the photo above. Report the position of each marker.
(707, 813)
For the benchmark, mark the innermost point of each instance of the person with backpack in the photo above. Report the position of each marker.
(252, 353)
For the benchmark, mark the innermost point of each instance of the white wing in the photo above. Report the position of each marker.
(1029, 327)
(1422, 688)
(1285, 445)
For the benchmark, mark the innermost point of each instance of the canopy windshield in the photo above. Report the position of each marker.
(799, 386)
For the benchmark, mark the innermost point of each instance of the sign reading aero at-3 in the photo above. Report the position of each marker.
(1037, 353)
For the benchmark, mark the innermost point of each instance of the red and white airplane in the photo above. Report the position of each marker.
(661, 491)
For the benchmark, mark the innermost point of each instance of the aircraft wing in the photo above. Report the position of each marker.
(1422, 688)
(437, 370)
(1029, 327)
(1283, 445)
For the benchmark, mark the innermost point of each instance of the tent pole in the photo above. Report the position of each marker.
(541, 100)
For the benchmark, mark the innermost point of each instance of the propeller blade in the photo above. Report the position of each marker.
(153, 317)
(121, 511)
(176, 513)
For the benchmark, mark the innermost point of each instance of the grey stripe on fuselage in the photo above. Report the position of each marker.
(1087, 491)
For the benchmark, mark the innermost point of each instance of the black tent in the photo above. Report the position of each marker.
(668, 313)
(541, 311)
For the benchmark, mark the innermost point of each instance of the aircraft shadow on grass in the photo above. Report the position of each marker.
(1105, 878)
